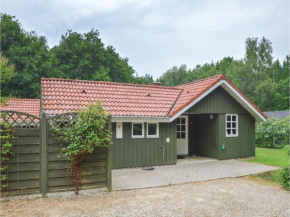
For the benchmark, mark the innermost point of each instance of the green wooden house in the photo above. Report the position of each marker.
(153, 124)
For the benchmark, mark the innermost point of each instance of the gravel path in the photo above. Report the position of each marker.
(223, 197)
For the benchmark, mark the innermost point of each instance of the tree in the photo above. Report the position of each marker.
(11, 33)
(7, 70)
(119, 69)
(29, 53)
(83, 56)
(263, 94)
(281, 95)
(258, 56)
(175, 76)
(146, 79)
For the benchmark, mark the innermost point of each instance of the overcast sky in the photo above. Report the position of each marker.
(157, 35)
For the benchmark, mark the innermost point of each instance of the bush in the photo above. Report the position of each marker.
(287, 150)
(285, 174)
(273, 133)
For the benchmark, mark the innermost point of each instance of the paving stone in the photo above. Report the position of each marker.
(183, 173)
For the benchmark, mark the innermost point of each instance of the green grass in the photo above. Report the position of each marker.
(272, 157)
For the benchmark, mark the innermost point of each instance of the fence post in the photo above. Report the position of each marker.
(109, 159)
(43, 153)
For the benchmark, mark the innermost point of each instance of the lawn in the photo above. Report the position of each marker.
(273, 157)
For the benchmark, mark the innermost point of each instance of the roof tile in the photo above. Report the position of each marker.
(119, 99)
(30, 106)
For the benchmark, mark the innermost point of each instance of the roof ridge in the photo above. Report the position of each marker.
(203, 79)
(110, 82)
(9, 99)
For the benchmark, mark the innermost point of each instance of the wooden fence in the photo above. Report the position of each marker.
(39, 166)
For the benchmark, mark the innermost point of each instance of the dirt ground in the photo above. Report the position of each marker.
(224, 197)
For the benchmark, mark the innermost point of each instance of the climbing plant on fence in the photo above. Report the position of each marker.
(6, 149)
(88, 131)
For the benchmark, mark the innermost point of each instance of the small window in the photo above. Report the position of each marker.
(231, 125)
(152, 130)
(137, 130)
(181, 128)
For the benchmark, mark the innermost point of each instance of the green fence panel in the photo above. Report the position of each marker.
(23, 168)
(39, 166)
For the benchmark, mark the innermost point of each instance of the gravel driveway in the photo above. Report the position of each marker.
(223, 197)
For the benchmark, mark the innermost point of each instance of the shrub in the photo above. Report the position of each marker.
(6, 150)
(285, 174)
(287, 149)
(273, 133)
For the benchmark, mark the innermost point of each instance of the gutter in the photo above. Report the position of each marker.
(139, 119)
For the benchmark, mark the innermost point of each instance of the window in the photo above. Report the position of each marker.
(231, 125)
(137, 130)
(152, 130)
(181, 128)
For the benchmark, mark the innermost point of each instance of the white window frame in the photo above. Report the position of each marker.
(138, 136)
(237, 125)
(157, 130)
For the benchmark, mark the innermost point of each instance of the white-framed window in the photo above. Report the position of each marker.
(181, 127)
(152, 130)
(231, 125)
(137, 130)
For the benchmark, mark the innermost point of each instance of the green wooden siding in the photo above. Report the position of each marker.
(217, 102)
(206, 136)
(241, 146)
(137, 152)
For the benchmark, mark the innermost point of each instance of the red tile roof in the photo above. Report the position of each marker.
(30, 106)
(120, 99)
(193, 90)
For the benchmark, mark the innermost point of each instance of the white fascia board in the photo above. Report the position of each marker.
(233, 92)
(139, 119)
(248, 106)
